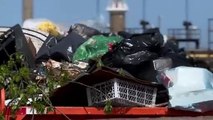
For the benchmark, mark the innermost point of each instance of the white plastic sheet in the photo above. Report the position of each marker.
(189, 88)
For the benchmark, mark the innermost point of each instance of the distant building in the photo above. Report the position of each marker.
(117, 10)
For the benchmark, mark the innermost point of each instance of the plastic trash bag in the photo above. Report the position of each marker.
(135, 55)
(178, 56)
(95, 47)
(151, 40)
(7, 46)
(139, 57)
(44, 52)
(13, 41)
(134, 51)
(48, 27)
(84, 31)
(63, 49)
(66, 47)
(162, 64)
(33, 23)
(185, 79)
(45, 26)
(124, 34)
(142, 69)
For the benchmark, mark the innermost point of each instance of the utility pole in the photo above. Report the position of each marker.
(187, 23)
(117, 10)
(159, 22)
(143, 22)
(98, 8)
(27, 11)
(187, 9)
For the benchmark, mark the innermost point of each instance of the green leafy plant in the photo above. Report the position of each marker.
(108, 107)
(23, 89)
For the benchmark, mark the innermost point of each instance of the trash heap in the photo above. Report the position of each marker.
(128, 69)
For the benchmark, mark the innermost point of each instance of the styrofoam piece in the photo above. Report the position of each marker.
(186, 79)
(198, 101)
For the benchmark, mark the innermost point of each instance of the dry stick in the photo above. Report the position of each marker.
(106, 97)
(33, 112)
(33, 115)
(16, 98)
(161, 104)
(57, 109)
(50, 104)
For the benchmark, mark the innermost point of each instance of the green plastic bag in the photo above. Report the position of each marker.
(95, 47)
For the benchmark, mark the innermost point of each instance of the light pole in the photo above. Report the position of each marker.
(98, 8)
(143, 22)
(187, 23)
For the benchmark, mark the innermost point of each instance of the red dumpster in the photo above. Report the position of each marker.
(67, 113)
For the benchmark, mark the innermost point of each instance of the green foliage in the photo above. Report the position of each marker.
(24, 90)
(108, 107)
(99, 62)
(2, 116)
(121, 72)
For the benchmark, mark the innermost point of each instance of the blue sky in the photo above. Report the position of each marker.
(171, 12)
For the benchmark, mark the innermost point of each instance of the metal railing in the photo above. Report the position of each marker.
(210, 34)
(129, 30)
(180, 33)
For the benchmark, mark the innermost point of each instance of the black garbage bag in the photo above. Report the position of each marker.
(84, 31)
(178, 56)
(66, 47)
(134, 51)
(170, 46)
(118, 59)
(151, 40)
(7, 46)
(178, 60)
(135, 55)
(63, 49)
(44, 52)
(13, 41)
(139, 57)
(124, 34)
(143, 71)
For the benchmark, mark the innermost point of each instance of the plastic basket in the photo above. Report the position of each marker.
(121, 93)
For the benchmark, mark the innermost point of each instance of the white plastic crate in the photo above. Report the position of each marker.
(121, 93)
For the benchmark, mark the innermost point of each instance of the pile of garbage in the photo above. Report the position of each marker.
(139, 69)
